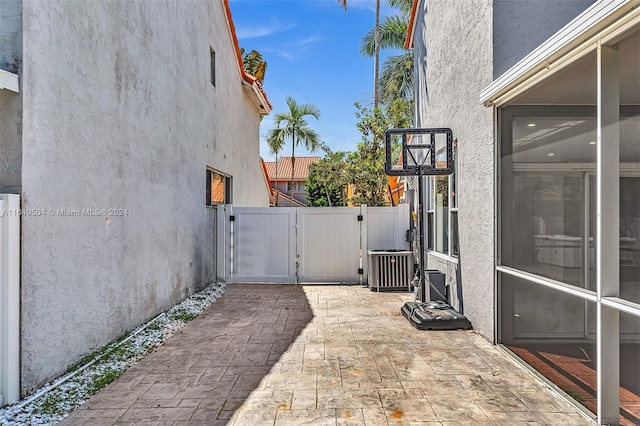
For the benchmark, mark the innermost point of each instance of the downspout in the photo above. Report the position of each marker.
(231, 219)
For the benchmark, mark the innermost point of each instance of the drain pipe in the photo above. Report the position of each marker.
(69, 376)
(232, 218)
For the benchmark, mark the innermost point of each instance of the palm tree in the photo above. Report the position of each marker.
(393, 32)
(296, 127)
(275, 146)
(254, 64)
(396, 81)
(397, 73)
(376, 56)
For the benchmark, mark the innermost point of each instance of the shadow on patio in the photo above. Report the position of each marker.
(291, 355)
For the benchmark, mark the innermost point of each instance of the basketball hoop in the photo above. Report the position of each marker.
(424, 152)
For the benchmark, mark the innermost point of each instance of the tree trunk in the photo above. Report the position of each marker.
(276, 180)
(376, 58)
(293, 165)
(326, 191)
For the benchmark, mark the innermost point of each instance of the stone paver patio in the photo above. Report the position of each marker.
(322, 355)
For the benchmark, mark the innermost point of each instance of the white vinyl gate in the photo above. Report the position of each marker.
(305, 244)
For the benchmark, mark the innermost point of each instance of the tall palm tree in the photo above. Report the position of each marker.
(296, 127)
(376, 56)
(275, 146)
(396, 80)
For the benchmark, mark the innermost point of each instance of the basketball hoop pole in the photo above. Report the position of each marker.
(422, 266)
(428, 165)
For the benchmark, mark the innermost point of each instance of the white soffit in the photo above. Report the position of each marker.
(570, 43)
(9, 81)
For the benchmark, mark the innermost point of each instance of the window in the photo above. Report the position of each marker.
(442, 211)
(441, 230)
(213, 66)
(218, 188)
(296, 186)
(455, 237)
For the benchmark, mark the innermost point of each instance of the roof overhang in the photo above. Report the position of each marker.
(9, 81)
(265, 173)
(573, 41)
(263, 103)
(408, 42)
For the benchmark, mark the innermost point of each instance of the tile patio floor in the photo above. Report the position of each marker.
(322, 355)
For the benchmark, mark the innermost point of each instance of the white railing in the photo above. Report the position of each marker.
(9, 298)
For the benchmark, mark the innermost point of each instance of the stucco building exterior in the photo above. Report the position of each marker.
(544, 102)
(131, 121)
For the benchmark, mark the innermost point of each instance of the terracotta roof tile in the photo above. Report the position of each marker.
(301, 172)
(217, 189)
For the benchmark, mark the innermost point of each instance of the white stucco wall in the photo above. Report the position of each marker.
(453, 47)
(460, 46)
(521, 26)
(119, 112)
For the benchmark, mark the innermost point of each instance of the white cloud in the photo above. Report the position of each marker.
(294, 49)
(307, 41)
(244, 31)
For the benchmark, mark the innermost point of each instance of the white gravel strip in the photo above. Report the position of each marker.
(56, 399)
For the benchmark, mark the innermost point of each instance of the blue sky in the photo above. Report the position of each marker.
(312, 49)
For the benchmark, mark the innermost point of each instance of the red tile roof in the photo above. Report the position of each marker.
(266, 177)
(301, 172)
(217, 189)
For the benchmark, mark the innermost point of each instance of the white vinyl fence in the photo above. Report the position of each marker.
(9, 298)
(305, 244)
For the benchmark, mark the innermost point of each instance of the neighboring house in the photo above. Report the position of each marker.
(543, 98)
(140, 111)
(284, 185)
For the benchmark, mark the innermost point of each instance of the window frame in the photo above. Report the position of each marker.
(452, 210)
(227, 195)
(212, 66)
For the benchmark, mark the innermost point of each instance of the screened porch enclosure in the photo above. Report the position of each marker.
(569, 228)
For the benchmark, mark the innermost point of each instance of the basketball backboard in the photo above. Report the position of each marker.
(422, 152)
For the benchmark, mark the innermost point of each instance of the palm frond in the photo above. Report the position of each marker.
(309, 138)
(393, 32)
(276, 140)
(397, 80)
(280, 117)
(403, 5)
(309, 109)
